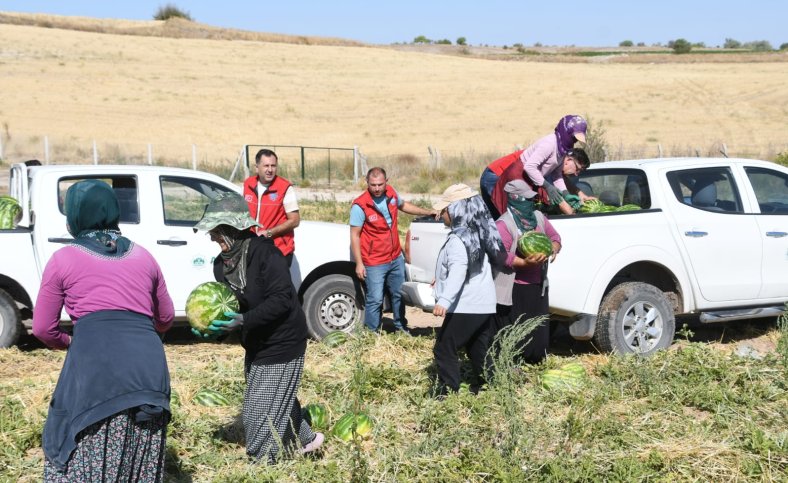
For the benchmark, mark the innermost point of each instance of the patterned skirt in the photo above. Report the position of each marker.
(271, 412)
(116, 449)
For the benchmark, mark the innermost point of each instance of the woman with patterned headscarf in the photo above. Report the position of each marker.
(521, 284)
(272, 327)
(464, 290)
(543, 166)
(108, 416)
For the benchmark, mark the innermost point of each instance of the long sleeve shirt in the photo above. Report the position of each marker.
(457, 292)
(540, 162)
(85, 282)
(527, 275)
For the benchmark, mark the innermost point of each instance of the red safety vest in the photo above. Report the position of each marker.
(499, 165)
(379, 242)
(272, 211)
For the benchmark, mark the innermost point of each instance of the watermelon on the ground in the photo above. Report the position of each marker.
(564, 378)
(533, 242)
(208, 302)
(316, 415)
(343, 429)
(10, 211)
(335, 338)
(209, 397)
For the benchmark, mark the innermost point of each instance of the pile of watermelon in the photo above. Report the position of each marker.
(570, 376)
(10, 211)
(208, 302)
(343, 429)
(533, 242)
(209, 397)
(595, 206)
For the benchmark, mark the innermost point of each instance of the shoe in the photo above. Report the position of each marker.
(404, 331)
(314, 445)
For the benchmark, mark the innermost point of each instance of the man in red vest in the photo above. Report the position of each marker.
(272, 203)
(374, 239)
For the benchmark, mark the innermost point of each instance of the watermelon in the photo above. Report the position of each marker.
(209, 397)
(343, 429)
(10, 212)
(592, 206)
(335, 338)
(208, 302)
(316, 415)
(629, 207)
(570, 376)
(532, 242)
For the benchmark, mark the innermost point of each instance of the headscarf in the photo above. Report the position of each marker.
(92, 214)
(565, 133)
(521, 204)
(228, 216)
(472, 224)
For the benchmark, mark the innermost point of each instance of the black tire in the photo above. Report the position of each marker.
(635, 317)
(10, 321)
(334, 302)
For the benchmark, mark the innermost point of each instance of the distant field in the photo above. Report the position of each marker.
(125, 91)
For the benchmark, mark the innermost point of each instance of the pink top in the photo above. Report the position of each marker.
(540, 162)
(528, 275)
(86, 282)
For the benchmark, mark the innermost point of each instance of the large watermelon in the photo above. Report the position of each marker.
(316, 415)
(209, 397)
(343, 429)
(628, 207)
(592, 206)
(9, 212)
(335, 338)
(570, 376)
(532, 242)
(209, 301)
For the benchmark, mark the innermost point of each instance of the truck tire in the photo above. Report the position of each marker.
(10, 321)
(635, 317)
(334, 302)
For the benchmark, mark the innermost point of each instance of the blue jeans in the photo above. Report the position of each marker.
(487, 185)
(391, 276)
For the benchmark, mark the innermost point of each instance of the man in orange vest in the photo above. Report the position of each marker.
(272, 203)
(374, 240)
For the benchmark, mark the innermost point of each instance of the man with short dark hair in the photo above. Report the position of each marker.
(272, 203)
(374, 240)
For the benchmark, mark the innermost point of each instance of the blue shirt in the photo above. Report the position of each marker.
(357, 216)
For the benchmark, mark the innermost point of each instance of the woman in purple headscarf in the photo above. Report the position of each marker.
(544, 164)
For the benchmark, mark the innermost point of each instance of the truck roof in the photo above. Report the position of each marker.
(657, 163)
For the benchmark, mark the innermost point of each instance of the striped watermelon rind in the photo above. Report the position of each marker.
(10, 212)
(316, 415)
(334, 338)
(209, 397)
(568, 377)
(343, 428)
(533, 242)
(208, 302)
(628, 207)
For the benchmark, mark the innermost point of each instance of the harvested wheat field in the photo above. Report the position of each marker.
(77, 86)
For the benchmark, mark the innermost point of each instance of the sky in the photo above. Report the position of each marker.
(493, 22)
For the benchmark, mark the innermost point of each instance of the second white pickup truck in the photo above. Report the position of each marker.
(159, 207)
(710, 239)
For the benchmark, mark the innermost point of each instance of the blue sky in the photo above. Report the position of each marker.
(493, 22)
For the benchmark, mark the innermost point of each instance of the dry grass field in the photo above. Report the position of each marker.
(130, 90)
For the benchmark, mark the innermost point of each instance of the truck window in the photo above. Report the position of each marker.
(771, 189)
(185, 199)
(709, 189)
(616, 187)
(125, 188)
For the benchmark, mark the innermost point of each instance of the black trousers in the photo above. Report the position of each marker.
(469, 331)
(527, 302)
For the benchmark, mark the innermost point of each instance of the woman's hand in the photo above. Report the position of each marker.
(556, 249)
(439, 310)
(224, 326)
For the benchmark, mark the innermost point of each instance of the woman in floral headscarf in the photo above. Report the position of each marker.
(543, 165)
(108, 416)
(272, 326)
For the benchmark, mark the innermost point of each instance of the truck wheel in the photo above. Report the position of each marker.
(334, 302)
(10, 321)
(635, 317)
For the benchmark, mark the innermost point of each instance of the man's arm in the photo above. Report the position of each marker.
(412, 209)
(355, 247)
(293, 220)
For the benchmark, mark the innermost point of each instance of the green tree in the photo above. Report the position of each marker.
(758, 46)
(731, 44)
(680, 46)
(422, 40)
(443, 42)
(784, 46)
(169, 11)
(626, 43)
(461, 40)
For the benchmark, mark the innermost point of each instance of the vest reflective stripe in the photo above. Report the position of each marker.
(379, 242)
(272, 211)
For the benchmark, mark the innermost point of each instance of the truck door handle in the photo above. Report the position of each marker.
(695, 234)
(172, 243)
(776, 234)
(60, 240)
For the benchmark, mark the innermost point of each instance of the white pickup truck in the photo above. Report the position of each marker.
(711, 239)
(159, 207)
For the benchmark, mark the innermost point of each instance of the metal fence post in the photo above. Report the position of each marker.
(303, 172)
(95, 153)
(194, 157)
(329, 167)
(355, 164)
(150, 154)
(46, 149)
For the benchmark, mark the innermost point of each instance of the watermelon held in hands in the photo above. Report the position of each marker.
(209, 397)
(316, 415)
(208, 302)
(343, 429)
(533, 242)
(334, 338)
